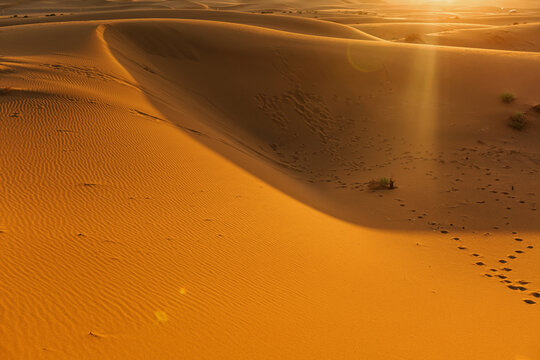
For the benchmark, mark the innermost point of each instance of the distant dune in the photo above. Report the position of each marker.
(519, 37)
(178, 181)
(400, 30)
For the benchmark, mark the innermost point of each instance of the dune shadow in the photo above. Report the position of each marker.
(320, 118)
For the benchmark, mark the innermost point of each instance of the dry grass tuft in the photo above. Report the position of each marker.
(507, 97)
(414, 38)
(383, 183)
(518, 121)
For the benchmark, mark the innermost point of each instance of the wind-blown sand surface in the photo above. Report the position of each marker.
(193, 184)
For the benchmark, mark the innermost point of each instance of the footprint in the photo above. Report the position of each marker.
(536, 294)
(480, 263)
(530, 302)
(94, 334)
(514, 287)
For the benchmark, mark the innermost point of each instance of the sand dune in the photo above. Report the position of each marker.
(400, 30)
(523, 37)
(333, 115)
(277, 22)
(194, 184)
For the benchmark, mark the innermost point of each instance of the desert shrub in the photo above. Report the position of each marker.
(536, 108)
(518, 121)
(414, 38)
(383, 183)
(507, 97)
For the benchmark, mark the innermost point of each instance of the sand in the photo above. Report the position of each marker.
(190, 180)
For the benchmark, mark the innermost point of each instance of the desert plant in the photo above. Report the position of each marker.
(383, 183)
(507, 97)
(414, 38)
(518, 121)
(536, 108)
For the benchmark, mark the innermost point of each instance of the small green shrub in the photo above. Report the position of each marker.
(518, 121)
(507, 97)
(383, 183)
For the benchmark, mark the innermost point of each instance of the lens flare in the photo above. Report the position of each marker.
(364, 60)
(161, 316)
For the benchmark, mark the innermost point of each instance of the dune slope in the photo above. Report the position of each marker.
(334, 113)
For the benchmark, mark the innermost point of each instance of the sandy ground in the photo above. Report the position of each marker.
(189, 180)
